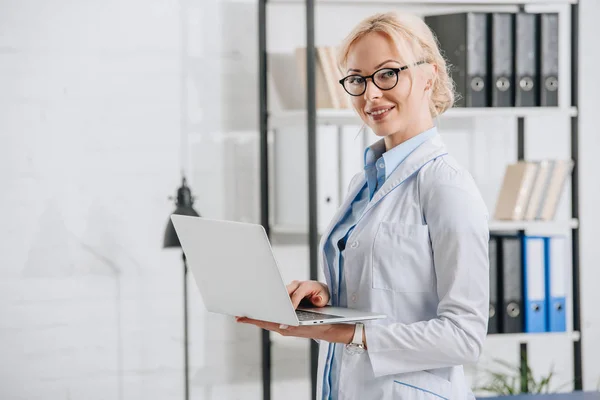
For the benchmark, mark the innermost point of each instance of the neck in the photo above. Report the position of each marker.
(417, 126)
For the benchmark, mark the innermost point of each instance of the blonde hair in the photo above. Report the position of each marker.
(415, 42)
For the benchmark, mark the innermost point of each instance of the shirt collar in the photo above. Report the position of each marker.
(391, 159)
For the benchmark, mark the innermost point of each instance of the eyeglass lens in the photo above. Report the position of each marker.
(384, 79)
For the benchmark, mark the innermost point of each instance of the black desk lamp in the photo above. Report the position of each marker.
(184, 206)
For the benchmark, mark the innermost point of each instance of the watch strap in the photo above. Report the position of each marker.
(358, 334)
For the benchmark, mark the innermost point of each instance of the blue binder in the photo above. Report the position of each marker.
(556, 293)
(534, 283)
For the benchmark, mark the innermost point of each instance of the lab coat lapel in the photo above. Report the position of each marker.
(352, 193)
(423, 154)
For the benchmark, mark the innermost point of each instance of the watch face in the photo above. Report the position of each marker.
(354, 349)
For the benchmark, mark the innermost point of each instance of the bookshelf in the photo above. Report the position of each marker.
(311, 117)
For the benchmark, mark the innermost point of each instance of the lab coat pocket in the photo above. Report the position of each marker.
(421, 386)
(402, 259)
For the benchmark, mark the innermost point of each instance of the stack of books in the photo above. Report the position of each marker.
(288, 74)
(531, 190)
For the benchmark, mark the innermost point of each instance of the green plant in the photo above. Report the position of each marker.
(512, 379)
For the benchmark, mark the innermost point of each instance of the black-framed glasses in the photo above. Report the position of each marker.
(384, 79)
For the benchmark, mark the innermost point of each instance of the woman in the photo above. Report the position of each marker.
(411, 238)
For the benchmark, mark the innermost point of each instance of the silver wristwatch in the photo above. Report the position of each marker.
(357, 346)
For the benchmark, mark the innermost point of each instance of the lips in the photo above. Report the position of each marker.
(378, 113)
(379, 110)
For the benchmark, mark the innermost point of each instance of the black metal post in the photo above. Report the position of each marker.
(524, 368)
(311, 108)
(264, 173)
(577, 362)
(521, 138)
(185, 329)
(523, 346)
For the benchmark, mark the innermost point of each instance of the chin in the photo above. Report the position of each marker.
(383, 131)
(380, 133)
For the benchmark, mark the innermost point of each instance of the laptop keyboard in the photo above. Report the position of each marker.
(313, 316)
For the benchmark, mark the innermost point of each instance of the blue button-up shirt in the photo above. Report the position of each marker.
(378, 166)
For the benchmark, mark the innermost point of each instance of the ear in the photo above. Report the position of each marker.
(432, 75)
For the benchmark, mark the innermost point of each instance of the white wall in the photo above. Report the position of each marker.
(90, 303)
(94, 98)
(91, 108)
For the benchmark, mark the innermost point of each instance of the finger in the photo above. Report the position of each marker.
(318, 300)
(291, 288)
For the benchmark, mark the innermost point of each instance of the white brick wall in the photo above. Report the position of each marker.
(89, 139)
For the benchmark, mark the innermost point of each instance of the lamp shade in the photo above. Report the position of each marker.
(184, 206)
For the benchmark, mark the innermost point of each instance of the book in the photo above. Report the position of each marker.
(515, 191)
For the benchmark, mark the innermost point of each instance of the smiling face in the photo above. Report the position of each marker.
(401, 112)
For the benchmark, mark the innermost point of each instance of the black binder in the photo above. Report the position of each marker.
(502, 60)
(526, 60)
(493, 325)
(463, 40)
(511, 284)
(549, 59)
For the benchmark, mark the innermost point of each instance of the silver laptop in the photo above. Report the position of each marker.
(236, 273)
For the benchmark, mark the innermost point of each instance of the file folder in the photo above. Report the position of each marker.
(511, 285)
(534, 279)
(526, 60)
(494, 310)
(463, 39)
(549, 59)
(502, 60)
(556, 293)
(328, 159)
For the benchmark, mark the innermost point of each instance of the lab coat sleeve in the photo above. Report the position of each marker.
(458, 227)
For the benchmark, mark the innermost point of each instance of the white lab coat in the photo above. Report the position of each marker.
(419, 254)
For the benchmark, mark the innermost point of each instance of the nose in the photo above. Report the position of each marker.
(371, 91)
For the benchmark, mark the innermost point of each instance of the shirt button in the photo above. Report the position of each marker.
(354, 245)
(381, 165)
(354, 298)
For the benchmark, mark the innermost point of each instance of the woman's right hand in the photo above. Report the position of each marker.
(315, 292)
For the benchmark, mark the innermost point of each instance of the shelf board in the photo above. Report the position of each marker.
(293, 118)
(527, 337)
(292, 342)
(431, 2)
(534, 226)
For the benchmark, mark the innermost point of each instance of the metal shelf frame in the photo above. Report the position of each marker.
(312, 117)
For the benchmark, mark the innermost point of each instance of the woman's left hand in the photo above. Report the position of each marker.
(332, 333)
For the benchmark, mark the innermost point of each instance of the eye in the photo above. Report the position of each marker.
(355, 80)
(386, 74)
